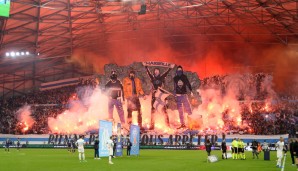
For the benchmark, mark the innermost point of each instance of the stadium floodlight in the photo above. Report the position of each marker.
(12, 54)
(17, 53)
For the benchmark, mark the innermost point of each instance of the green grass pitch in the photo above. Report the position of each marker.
(149, 160)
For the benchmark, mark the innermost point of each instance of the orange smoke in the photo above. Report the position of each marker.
(205, 58)
(24, 116)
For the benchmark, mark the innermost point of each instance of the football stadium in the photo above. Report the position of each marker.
(149, 85)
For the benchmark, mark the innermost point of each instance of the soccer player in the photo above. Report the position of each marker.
(158, 81)
(7, 143)
(129, 144)
(265, 146)
(224, 149)
(132, 88)
(279, 150)
(80, 143)
(73, 145)
(234, 149)
(18, 144)
(68, 145)
(110, 145)
(96, 146)
(208, 147)
(181, 83)
(255, 149)
(115, 93)
(114, 147)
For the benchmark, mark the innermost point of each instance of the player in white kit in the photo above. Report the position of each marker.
(80, 144)
(279, 149)
(110, 145)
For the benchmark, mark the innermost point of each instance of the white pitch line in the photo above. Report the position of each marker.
(283, 164)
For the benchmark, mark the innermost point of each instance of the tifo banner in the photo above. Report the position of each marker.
(119, 141)
(62, 83)
(135, 139)
(105, 131)
(160, 64)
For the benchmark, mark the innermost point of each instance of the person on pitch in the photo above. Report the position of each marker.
(115, 146)
(224, 149)
(157, 81)
(129, 144)
(279, 151)
(296, 151)
(181, 83)
(241, 149)
(208, 146)
(132, 88)
(96, 147)
(80, 144)
(18, 144)
(7, 145)
(110, 145)
(234, 149)
(115, 93)
(292, 150)
(254, 146)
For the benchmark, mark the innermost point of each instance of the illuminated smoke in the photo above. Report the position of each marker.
(24, 117)
(83, 115)
(216, 108)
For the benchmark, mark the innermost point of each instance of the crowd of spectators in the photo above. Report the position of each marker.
(44, 104)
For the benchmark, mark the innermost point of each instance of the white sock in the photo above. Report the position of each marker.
(110, 158)
(80, 158)
(279, 161)
(83, 154)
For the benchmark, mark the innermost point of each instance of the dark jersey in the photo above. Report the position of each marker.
(115, 89)
(73, 144)
(129, 144)
(292, 144)
(115, 143)
(96, 144)
(18, 143)
(180, 84)
(157, 81)
(7, 143)
(295, 148)
(208, 146)
(223, 146)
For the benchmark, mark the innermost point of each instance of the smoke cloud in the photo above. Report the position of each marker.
(25, 118)
(192, 52)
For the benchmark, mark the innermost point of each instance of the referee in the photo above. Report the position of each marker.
(235, 149)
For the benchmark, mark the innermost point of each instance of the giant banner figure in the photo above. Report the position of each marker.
(105, 131)
(158, 80)
(135, 140)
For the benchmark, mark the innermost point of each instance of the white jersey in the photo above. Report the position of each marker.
(279, 148)
(110, 145)
(80, 144)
